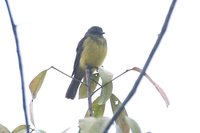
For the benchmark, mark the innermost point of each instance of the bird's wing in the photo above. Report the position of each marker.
(79, 50)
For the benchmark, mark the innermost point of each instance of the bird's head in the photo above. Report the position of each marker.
(95, 30)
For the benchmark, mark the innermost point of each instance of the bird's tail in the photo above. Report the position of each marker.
(73, 87)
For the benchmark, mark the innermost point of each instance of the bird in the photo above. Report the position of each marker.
(90, 54)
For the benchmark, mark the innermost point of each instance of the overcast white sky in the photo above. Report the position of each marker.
(49, 32)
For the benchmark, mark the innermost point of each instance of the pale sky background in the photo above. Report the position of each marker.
(49, 32)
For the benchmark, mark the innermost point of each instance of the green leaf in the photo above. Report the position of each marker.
(83, 87)
(36, 83)
(20, 129)
(3, 129)
(106, 91)
(121, 120)
(98, 110)
(93, 125)
(133, 125)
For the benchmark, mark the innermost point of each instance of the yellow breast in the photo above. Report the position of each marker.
(94, 52)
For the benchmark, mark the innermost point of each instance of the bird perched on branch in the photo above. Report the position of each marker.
(90, 53)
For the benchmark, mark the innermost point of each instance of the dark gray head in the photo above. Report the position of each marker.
(95, 30)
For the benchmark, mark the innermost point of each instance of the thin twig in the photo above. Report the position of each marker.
(133, 90)
(101, 86)
(66, 74)
(88, 73)
(20, 66)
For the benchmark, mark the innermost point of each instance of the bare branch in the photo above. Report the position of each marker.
(20, 65)
(133, 90)
(88, 73)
